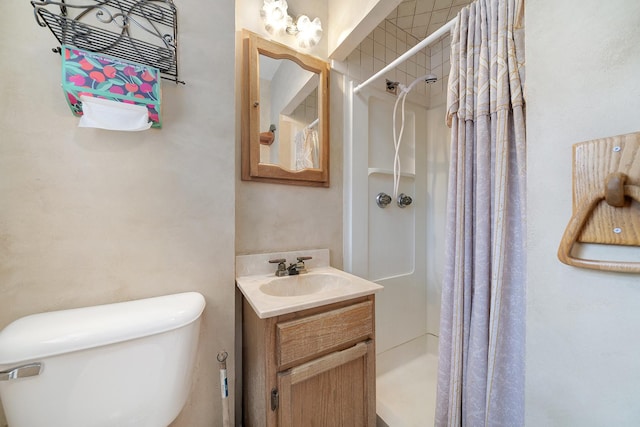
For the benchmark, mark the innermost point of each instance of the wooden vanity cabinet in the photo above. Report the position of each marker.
(315, 367)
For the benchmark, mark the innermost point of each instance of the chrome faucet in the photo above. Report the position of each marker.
(294, 268)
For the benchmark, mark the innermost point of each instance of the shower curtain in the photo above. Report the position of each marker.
(482, 327)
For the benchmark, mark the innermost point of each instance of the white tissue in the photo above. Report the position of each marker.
(112, 115)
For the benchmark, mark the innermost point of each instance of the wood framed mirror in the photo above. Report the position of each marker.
(285, 114)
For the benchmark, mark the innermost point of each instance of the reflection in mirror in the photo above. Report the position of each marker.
(285, 124)
(289, 110)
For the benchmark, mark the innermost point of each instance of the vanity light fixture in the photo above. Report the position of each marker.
(275, 17)
(277, 21)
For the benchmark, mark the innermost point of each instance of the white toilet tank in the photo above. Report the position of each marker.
(126, 364)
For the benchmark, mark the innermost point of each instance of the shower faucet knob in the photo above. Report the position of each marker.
(383, 199)
(404, 200)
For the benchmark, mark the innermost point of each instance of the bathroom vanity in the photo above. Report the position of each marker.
(308, 349)
(314, 364)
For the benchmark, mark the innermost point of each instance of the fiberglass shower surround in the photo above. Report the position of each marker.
(400, 249)
(383, 199)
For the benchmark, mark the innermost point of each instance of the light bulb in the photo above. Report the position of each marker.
(275, 17)
(309, 32)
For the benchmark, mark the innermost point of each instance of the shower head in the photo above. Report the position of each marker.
(430, 78)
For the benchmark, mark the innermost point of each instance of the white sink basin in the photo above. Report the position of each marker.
(272, 296)
(304, 284)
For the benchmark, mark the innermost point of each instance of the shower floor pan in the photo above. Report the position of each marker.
(406, 385)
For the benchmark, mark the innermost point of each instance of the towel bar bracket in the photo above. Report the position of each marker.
(606, 200)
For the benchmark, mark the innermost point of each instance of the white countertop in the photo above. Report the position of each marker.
(267, 306)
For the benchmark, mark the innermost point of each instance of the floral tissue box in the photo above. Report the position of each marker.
(102, 76)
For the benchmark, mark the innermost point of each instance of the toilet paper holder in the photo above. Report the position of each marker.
(606, 200)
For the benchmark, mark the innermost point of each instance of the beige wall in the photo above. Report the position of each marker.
(275, 217)
(90, 216)
(583, 68)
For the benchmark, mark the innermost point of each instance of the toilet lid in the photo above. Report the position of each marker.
(57, 332)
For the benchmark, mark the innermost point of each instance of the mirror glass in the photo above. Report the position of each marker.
(285, 126)
(288, 109)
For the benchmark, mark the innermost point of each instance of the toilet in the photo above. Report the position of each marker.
(126, 364)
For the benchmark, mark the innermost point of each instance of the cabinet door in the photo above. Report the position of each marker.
(335, 390)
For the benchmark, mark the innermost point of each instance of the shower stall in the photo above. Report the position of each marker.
(401, 248)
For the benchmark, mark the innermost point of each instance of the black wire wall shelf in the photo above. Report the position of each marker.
(142, 31)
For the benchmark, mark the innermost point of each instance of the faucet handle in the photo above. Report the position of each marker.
(300, 267)
(282, 266)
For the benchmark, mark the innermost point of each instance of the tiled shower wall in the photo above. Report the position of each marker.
(386, 43)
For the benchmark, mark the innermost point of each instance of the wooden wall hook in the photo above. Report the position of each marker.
(614, 189)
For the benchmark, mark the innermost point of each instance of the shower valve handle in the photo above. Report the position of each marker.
(404, 200)
(383, 199)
